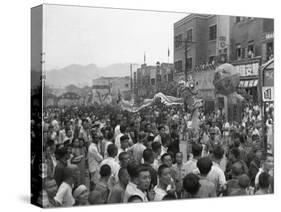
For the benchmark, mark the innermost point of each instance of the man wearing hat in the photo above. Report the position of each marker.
(81, 195)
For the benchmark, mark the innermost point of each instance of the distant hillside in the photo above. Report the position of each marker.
(80, 75)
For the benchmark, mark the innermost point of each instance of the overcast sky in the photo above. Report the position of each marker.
(84, 35)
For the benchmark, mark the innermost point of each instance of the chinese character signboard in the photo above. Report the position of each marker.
(267, 94)
(246, 70)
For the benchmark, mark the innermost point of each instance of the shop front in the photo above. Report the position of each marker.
(249, 78)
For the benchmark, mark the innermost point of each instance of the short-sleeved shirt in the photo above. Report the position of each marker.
(207, 189)
(64, 195)
(131, 190)
(159, 193)
(116, 194)
(217, 176)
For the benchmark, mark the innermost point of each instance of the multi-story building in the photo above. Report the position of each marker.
(251, 46)
(152, 79)
(200, 39)
(201, 42)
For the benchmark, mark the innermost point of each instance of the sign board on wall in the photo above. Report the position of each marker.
(267, 94)
(246, 70)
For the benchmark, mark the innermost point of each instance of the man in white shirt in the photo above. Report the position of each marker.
(64, 195)
(161, 133)
(94, 160)
(164, 174)
(139, 182)
(137, 149)
(118, 136)
(216, 175)
(191, 164)
(110, 160)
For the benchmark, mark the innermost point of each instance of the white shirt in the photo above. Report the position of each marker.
(113, 165)
(94, 157)
(216, 175)
(159, 193)
(158, 139)
(117, 140)
(117, 131)
(190, 166)
(64, 195)
(131, 190)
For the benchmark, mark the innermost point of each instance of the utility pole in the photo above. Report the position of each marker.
(131, 76)
(186, 61)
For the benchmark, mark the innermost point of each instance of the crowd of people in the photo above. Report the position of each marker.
(102, 155)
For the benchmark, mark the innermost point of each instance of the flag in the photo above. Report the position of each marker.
(168, 52)
(144, 58)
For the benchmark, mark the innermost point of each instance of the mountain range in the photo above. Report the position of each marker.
(80, 75)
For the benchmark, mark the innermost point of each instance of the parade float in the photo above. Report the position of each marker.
(226, 81)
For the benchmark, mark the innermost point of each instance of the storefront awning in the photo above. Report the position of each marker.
(248, 83)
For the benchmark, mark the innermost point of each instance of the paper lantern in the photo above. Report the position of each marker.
(226, 79)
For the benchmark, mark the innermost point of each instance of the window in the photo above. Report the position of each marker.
(127, 85)
(212, 59)
(269, 50)
(178, 41)
(250, 53)
(213, 32)
(178, 66)
(189, 35)
(189, 63)
(238, 52)
(238, 19)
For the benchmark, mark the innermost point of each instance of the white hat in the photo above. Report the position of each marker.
(79, 190)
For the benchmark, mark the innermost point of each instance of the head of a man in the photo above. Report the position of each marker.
(218, 153)
(204, 165)
(63, 154)
(69, 133)
(264, 180)
(71, 174)
(236, 170)
(161, 130)
(191, 183)
(135, 199)
(212, 132)
(196, 149)
(124, 142)
(124, 159)
(132, 171)
(156, 148)
(50, 187)
(112, 150)
(179, 158)
(105, 171)
(167, 159)
(234, 154)
(123, 176)
(148, 156)
(123, 128)
(164, 173)
(81, 195)
(143, 177)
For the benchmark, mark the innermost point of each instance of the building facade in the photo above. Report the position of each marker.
(152, 79)
(251, 46)
(202, 42)
(107, 89)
